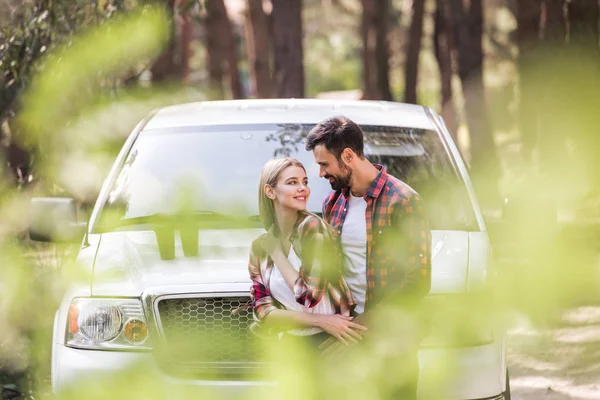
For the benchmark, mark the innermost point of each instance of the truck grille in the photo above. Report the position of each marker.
(205, 330)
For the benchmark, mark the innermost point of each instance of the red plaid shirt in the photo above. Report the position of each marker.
(398, 237)
(315, 280)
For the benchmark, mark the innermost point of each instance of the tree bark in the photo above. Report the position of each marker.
(221, 48)
(258, 44)
(186, 50)
(165, 67)
(369, 55)
(18, 161)
(442, 45)
(550, 96)
(375, 52)
(412, 53)
(213, 58)
(555, 25)
(289, 57)
(529, 13)
(383, 50)
(583, 24)
(468, 32)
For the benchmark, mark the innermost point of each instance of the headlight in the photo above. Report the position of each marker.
(462, 320)
(100, 323)
(96, 323)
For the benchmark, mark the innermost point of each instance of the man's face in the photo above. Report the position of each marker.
(335, 171)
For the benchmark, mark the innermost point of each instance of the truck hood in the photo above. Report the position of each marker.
(128, 263)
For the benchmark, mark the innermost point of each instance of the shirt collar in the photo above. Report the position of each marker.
(377, 185)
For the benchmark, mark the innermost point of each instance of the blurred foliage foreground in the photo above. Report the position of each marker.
(542, 267)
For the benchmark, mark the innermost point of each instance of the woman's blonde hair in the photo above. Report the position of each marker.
(269, 175)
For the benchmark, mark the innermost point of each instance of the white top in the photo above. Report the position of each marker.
(283, 294)
(354, 248)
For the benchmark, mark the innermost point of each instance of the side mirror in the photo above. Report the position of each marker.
(54, 219)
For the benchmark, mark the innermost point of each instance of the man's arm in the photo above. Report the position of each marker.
(316, 249)
(414, 251)
(260, 296)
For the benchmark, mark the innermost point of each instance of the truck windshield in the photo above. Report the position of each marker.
(216, 169)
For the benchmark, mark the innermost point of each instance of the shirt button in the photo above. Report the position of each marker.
(380, 232)
(339, 231)
(421, 255)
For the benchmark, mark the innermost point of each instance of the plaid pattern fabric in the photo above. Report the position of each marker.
(320, 272)
(398, 237)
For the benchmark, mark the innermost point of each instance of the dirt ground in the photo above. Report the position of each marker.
(558, 362)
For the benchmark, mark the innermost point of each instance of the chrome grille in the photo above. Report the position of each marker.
(205, 330)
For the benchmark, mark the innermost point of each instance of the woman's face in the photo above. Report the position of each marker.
(291, 190)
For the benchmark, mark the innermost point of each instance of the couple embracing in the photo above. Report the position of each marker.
(319, 280)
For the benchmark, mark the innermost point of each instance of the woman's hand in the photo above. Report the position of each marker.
(341, 327)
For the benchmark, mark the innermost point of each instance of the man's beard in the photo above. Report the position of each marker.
(340, 181)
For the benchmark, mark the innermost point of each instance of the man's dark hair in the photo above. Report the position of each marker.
(336, 134)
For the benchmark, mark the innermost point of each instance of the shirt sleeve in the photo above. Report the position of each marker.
(316, 249)
(414, 250)
(260, 296)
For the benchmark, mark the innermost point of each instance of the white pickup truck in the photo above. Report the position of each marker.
(148, 287)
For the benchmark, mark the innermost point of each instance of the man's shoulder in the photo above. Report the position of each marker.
(399, 189)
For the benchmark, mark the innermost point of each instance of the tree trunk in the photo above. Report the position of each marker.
(412, 53)
(213, 58)
(375, 53)
(549, 90)
(369, 54)
(529, 13)
(287, 39)
(221, 48)
(19, 161)
(186, 50)
(383, 50)
(165, 67)
(443, 44)
(257, 39)
(583, 24)
(555, 30)
(468, 29)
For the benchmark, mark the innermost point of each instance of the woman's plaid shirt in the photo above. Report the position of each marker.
(398, 237)
(314, 242)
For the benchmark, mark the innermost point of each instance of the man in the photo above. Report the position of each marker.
(381, 224)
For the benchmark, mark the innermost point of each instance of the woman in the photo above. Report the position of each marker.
(285, 262)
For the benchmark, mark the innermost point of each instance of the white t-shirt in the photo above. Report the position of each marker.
(283, 294)
(354, 248)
